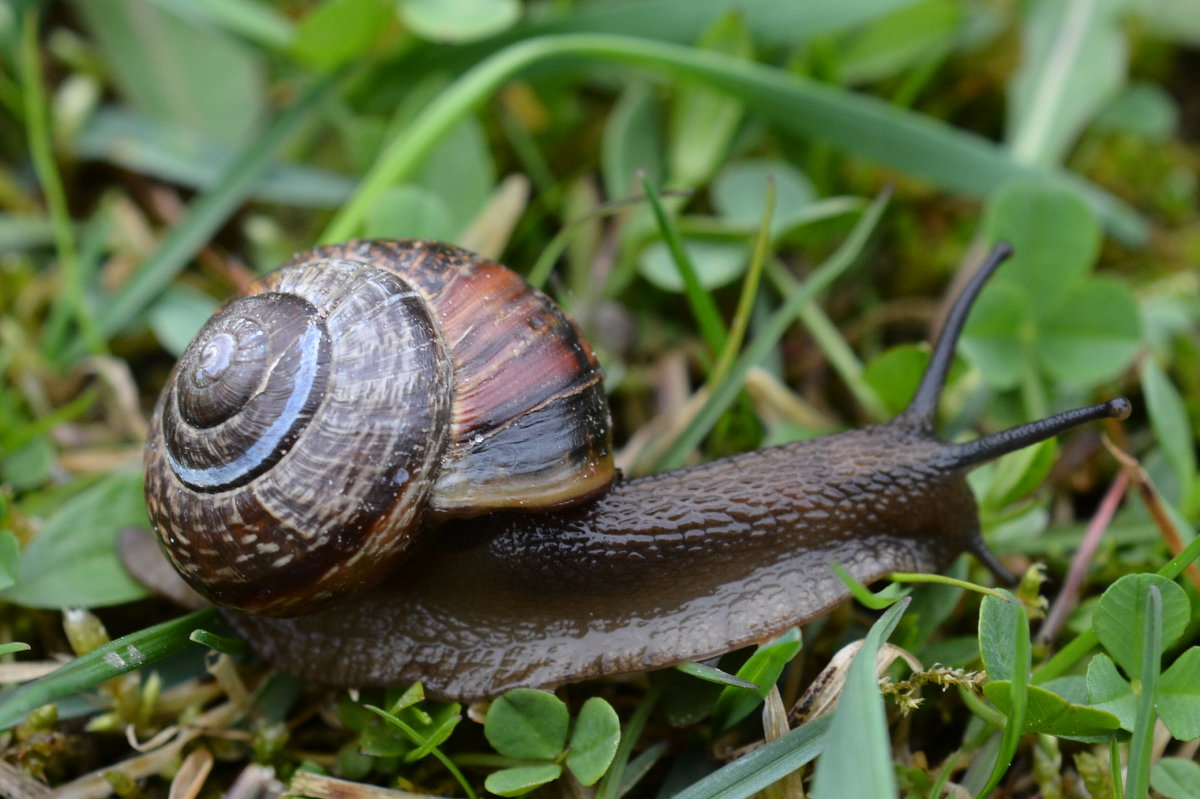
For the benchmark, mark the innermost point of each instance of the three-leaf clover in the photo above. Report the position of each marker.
(531, 728)
(1118, 624)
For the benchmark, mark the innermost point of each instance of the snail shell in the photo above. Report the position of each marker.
(355, 396)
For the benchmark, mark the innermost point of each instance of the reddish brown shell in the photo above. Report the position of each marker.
(354, 397)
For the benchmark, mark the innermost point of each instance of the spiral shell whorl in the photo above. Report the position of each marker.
(311, 484)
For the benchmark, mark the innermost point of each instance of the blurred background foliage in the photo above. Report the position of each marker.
(156, 154)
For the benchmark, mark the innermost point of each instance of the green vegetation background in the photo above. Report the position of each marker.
(158, 153)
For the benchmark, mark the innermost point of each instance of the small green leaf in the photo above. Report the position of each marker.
(717, 263)
(739, 192)
(527, 724)
(1091, 335)
(1176, 778)
(895, 373)
(632, 142)
(594, 741)
(703, 120)
(1004, 644)
(10, 558)
(521, 779)
(999, 333)
(178, 315)
(1048, 713)
(1143, 109)
(1109, 691)
(1120, 613)
(1000, 624)
(336, 31)
(459, 21)
(412, 695)
(1169, 418)
(28, 466)
(703, 671)
(14, 646)
(761, 669)
(1018, 474)
(1179, 696)
(1054, 234)
(73, 560)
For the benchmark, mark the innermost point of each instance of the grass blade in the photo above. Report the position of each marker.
(208, 213)
(918, 145)
(708, 318)
(726, 391)
(114, 658)
(1137, 780)
(767, 764)
(858, 760)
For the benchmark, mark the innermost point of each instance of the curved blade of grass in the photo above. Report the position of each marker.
(1137, 780)
(114, 658)
(209, 212)
(610, 784)
(941, 579)
(229, 645)
(837, 352)
(420, 740)
(704, 309)
(771, 21)
(745, 306)
(767, 764)
(260, 23)
(37, 130)
(858, 760)
(725, 392)
(863, 595)
(918, 145)
(702, 671)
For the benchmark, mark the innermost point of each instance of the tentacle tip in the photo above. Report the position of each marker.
(1118, 408)
(1002, 250)
(993, 564)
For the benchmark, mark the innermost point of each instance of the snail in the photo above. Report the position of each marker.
(498, 548)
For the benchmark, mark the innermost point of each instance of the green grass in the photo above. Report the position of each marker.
(155, 154)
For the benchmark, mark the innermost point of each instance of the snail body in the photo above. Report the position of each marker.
(639, 574)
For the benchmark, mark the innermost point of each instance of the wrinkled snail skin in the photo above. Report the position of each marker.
(658, 570)
(663, 569)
